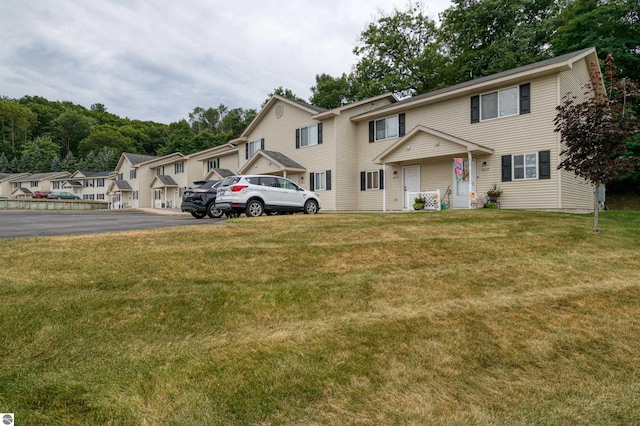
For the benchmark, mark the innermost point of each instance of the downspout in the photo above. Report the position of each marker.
(472, 177)
(384, 190)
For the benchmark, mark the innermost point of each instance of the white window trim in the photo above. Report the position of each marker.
(517, 88)
(320, 181)
(252, 147)
(386, 127)
(524, 166)
(375, 181)
(310, 132)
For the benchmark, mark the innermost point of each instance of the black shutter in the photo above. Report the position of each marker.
(381, 174)
(372, 131)
(401, 124)
(525, 98)
(475, 109)
(312, 181)
(544, 158)
(297, 138)
(328, 180)
(506, 168)
(363, 181)
(246, 151)
(262, 144)
(319, 133)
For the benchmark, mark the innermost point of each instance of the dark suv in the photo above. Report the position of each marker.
(199, 200)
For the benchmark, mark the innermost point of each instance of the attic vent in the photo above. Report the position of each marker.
(279, 110)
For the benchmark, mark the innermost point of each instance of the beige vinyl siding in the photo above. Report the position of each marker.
(576, 193)
(513, 135)
(349, 164)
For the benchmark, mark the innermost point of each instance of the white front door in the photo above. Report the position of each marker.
(411, 182)
(463, 182)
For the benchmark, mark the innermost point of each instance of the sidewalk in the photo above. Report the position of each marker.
(174, 212)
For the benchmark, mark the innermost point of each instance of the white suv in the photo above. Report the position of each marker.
(258, 194)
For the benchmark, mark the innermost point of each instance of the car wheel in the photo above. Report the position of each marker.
(254, 208)
(311, 207)
(198, 215)
(213, 212)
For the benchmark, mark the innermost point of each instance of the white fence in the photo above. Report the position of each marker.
(432, 200)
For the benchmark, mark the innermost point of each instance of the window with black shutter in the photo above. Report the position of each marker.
(506, 168)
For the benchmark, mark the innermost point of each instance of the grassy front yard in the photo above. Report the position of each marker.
(457, 317)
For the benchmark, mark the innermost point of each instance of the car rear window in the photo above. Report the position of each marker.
(231, 180)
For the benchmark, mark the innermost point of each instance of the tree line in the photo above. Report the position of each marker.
(403, 52)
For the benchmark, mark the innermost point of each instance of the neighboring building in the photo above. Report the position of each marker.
(26, 184)
(171, 176)
(6, 182)
(129, 183)
(88, 185)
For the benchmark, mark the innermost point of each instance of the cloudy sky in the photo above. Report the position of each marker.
(158, 59)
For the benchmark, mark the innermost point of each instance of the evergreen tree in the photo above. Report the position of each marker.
(4, 163)
(56, 165)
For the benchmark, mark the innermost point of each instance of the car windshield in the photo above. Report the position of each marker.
(231, 180)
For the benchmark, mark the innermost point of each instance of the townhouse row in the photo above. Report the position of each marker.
(369, 155)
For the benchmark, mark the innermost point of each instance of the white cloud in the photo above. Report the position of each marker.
(158, 59)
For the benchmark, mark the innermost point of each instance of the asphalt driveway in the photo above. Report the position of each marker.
(39, 223)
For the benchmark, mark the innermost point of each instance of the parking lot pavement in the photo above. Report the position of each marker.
(40, 223)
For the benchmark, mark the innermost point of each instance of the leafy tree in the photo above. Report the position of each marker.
(399, 53)
(14, 165)
(105, 135)
(488, 36)
(16, 123)
(331, 92)
(47, 151)
(4, 163)
(70, 128)
(106, 159)
(612, 26)
(70, 163)
(594, 132)
(285, 93)
(56, 164)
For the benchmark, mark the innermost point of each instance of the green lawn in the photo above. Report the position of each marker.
(457, 317)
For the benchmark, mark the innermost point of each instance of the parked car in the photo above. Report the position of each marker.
(41, 194)
(63, 195)
(3, 197)
(199, 199)
(258, 194)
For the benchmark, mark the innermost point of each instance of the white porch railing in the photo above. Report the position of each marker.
(432, 200)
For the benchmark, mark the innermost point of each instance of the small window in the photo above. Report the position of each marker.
(320, 181)
(525, 166)
(373, 180)
(253, 147)
(499, 104)
(100, 182)
(132, 174)
(387, 128)
(213, 164)
(179, 167)
(309, 135)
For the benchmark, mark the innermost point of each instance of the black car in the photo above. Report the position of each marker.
(199, 200)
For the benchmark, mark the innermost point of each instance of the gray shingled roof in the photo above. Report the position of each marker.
(167, 180)
(224, 172)
(123, 184)
(139, 158)
(282, 159)
(41, 176)
(480, 80)
(95, 174)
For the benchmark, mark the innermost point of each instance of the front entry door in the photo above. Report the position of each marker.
(411, 178)
(461, 180)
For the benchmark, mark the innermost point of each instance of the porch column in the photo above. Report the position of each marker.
(384, 190)
(472, 177)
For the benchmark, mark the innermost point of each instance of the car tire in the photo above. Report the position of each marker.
(311, 207)
(198, 215)
(213, 212)
(254, 208)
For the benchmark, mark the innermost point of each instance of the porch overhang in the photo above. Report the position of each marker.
(272, 162)
(163, 181)
(425, 142)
